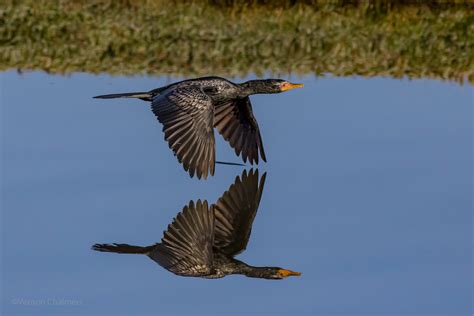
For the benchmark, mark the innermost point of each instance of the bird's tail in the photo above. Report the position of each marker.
(122, 248)
(139, 95)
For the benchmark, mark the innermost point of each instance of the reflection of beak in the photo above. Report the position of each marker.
(286, 273)
(285, 86)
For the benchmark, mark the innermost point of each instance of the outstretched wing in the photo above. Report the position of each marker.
(187, 115)
(186, 247)
(235, 212)
(235, 122)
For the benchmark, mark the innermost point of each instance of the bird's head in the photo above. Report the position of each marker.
(269, 86)
(279, 85)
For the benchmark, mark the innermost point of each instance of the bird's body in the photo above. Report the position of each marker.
(190, 110)
(202, 241)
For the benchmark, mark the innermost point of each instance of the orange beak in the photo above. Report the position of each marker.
(286, 273)
(285, 86)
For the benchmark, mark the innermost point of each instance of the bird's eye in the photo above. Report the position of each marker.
(211, 89)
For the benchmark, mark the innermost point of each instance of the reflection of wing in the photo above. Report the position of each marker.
(235, 122)
(187, 115)
(186, 247)
(235, 211)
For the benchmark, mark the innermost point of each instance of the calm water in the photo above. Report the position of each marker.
(368, 193)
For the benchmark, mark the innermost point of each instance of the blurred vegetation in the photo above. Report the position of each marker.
(432, 39)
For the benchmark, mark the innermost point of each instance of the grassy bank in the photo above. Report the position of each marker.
(191, 38)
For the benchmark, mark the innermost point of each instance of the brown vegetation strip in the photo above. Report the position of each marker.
(219, 37)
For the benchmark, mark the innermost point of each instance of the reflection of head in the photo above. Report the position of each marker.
(274, 273)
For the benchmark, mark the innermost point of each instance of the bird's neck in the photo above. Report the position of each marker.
(248, 270)
(254, 87)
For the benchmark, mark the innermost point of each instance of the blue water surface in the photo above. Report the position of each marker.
(368, 194)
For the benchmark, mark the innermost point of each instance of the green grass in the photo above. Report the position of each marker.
(223, 37)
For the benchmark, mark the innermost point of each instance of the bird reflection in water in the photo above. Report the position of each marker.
(203, 240)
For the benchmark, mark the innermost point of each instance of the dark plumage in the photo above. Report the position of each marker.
(202, 241)
(190, 110)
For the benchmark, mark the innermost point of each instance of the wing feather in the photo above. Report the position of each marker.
(236, 123)
(186, 246)
(187, 115)
(235, 212)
